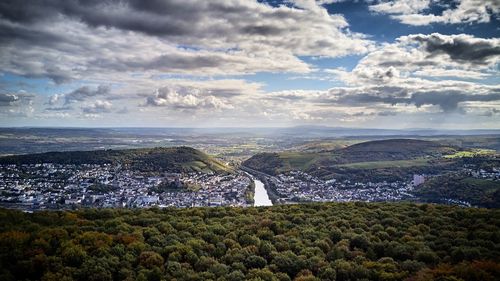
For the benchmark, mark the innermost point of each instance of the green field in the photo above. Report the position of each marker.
(471, 153)
(302, 161)
(200, 166)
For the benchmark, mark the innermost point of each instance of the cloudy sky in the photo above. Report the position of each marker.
(244, 63)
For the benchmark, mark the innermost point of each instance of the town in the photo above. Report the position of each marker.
(297, 186)
(55, 186)
(51, 186)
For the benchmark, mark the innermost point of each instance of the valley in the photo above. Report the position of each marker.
(384, 170)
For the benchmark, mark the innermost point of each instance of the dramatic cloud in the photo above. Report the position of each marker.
(16, 105)
(412, 56)
(93, 100)
(8, 99)
(218, 22)
(403, 74)
(461, 48)
(447, 100)
(419, 12)
(71, 39)
(15, 99)
(84, 93)
(246, 63)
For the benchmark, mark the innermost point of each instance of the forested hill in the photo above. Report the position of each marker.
(371, 151)
(173, 159)
(392, 149)
(328, 241)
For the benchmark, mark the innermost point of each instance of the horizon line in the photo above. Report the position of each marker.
(250, 128)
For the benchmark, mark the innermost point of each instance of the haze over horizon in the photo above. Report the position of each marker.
(399, 64)
(257, 128)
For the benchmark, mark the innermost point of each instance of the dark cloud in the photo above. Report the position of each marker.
(387, 113)
(447, 100)
(224, 93)
(491, 112)
(459, 47)
(66, 40)
(60, 108)
(363, 96)
(14, 99)
(172, 62)
(262, 30)
(363, 99)
(55, 74)
(11, 33)
(159, 18)
(30, 64)
(85, 92)
(7, 99)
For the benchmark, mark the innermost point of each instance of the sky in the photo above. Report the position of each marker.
(242, 63)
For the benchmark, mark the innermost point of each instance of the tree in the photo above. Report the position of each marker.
(73, 255)
(150, 259)
(289, 263)
(254, 261)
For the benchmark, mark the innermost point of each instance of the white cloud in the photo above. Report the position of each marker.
(417, 12)
(207, 38)
(418, 56)
(165, 62)
(400, 6)
(187, 98)
(99, 106)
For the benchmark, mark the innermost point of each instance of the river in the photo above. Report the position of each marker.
(261, 198)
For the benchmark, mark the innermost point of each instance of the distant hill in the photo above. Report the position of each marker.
(393, 149)
(172, 159)
(378, 154)
(393, 145)
(478, 192)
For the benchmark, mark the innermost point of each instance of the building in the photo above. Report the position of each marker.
(418, 179)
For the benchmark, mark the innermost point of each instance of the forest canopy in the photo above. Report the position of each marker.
(328, 241)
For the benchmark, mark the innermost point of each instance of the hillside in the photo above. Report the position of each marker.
(337, 241)
(478, 192)
(173, 159)
(391, 153)
(393, 149)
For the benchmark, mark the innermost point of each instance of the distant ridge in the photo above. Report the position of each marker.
(297, 131)
(379, 150)
(393, 145)
(393, 149)
(172, 159)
